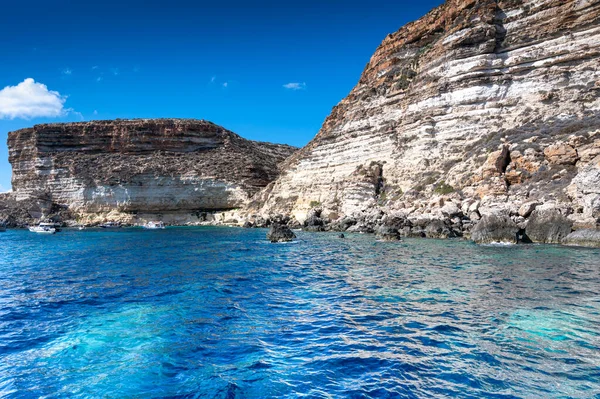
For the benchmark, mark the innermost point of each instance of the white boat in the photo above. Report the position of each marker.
(154, 226)
(43, 228)
(111, 225)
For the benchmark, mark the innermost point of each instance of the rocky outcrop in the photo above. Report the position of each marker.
(495, 229)
(583, 238)
(280, 233)
(548, 226)
(388, 233)
(179, 169)
(488, 107)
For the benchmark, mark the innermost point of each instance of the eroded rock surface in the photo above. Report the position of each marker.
(583, 238)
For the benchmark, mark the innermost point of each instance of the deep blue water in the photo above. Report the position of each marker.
(221, 313)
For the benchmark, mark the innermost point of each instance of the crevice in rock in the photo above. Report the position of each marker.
(501, 31)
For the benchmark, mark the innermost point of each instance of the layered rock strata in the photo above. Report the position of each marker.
(124, 169)
(481, 107)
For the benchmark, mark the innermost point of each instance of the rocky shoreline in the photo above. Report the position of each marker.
(534, 223)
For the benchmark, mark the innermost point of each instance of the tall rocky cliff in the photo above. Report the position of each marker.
(120, 169)
(480, 107)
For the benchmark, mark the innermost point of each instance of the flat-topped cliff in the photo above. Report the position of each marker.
(480, 107)
(132, 167)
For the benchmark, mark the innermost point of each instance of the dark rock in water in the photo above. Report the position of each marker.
(495, 228)
(314, 223)
(342, 236)
(548, 226)
(280, 233)
(583, 238)
(248, 225)
(387, 233)
(346, 223)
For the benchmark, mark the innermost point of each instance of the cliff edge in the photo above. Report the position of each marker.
(480, 107)
(175, 169)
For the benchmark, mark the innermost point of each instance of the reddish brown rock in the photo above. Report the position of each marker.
(561, 154)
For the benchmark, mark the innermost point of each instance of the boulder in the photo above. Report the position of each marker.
(548, 226)
(561, 154)
(345, 223)
(527, 208)
(450, 209)
(496, 162)
(387, 233)
(438, 229)
(248, 225)
(583, 238)
(280, 233)
(495, 228)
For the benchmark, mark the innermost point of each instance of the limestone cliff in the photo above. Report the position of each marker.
(120, 169)
(479, 107)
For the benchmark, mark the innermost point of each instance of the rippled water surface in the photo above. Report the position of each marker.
(221, 313)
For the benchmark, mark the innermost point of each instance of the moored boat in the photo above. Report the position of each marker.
(43, 228)
(111, 225)
(154, 226)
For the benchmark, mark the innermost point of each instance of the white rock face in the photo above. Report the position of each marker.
(181, 168)
(440, 95)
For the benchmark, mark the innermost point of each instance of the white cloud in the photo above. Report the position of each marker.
(67, 71)
(99, 79)
(212, 79)
(225, 84)
(295, 86)
(30, 99)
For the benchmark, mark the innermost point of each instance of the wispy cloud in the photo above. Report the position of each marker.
(67, 71)
(225, 84)
(212, 79)
(95, 67)
(99, 79)
(295, 86)
(114, 71)
(30, 99)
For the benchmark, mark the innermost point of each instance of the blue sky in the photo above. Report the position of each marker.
(268, 70)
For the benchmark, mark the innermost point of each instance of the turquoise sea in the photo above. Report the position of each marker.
(222, 313)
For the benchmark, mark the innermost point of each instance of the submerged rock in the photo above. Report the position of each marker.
(280, 233)
(495, 228)
(548, 226)
(583, 238)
